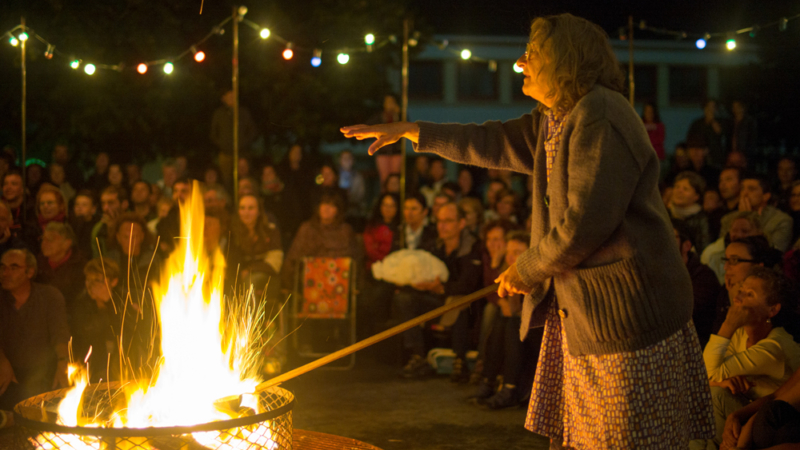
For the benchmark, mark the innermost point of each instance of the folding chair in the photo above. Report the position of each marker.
(324, 290)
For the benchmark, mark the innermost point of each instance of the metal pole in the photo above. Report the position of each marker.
(235, 81)
(23, 43)
(404, 117)
(631, 84)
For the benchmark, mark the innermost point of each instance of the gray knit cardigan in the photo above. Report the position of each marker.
(601, 236)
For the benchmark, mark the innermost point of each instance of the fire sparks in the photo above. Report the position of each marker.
(209, 354)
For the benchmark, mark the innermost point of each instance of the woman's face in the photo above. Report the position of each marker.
(248, 210)
(388, 209)
(130, 237)
(48, 205)
(495, 242)
(535, 85)
(794, 199)
(327, 213)
(115, 175)
(735, 268)
(163, 209)
(753, 296)
(683, 194)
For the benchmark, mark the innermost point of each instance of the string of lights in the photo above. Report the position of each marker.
(23, 33)
(703, 38)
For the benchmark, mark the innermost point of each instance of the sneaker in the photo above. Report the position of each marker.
(485, 391)
(505, 398)
(416, 367)
(459, 373)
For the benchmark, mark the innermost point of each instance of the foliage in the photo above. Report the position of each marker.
(140, 116)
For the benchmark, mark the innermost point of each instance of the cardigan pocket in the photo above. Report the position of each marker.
(607, 304)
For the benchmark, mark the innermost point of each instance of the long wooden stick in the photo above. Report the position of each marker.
(360, 345)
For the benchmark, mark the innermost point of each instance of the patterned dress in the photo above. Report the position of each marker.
(655, 398)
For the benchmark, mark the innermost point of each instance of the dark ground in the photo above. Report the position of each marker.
(373, 404)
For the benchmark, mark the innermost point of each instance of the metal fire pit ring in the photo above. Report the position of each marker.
(277, 404)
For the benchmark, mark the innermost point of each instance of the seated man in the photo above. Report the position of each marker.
(415, 230)
(755, 196)
(114, 201)
(752, 355)
(33, 332)
(60, 264)
(97, 324)
(461, 253)
(705, 286)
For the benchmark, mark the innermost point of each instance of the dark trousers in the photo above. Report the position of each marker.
(31, 382)
(777, 422)
(504, 350)
(409, 304)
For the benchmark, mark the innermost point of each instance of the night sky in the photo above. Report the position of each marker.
(513, 17)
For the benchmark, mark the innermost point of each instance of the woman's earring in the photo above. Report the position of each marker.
(768, 320)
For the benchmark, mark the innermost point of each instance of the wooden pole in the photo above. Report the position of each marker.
(403, 118)
(631, 84)
(24, 70)
(235, 83)
(460, 302)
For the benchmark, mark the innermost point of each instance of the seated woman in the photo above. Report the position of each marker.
(255, 251)
(687, 193)
(493, 237)
(379, 232)
(744, 224)
(752, 355)
(325, 235)
(740, 257)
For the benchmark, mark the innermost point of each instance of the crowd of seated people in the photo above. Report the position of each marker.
(82, 241)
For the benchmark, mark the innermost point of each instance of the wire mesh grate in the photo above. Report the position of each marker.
(269, 428)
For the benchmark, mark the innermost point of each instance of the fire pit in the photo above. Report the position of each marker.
(269, 427)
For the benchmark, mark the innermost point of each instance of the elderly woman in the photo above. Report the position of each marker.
(50, 205)
(602, 268)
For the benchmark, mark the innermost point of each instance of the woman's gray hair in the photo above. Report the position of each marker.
(63, 230)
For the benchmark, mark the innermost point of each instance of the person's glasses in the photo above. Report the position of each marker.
(734, 260)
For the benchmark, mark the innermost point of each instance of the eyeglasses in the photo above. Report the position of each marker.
(734, 260)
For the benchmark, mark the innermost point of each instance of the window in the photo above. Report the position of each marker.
(646, 79)
(476, 81)
(687, 85)
(425, 80)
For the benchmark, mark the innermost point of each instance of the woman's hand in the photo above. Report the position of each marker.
(511, 283)
(737, 385)
(386, 134)
(737, 317)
